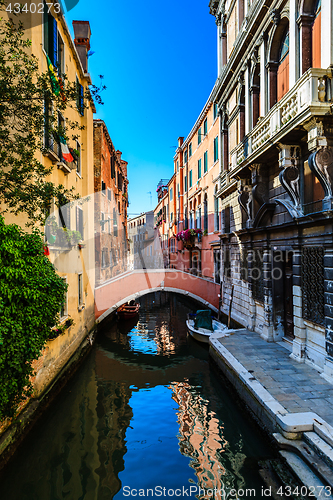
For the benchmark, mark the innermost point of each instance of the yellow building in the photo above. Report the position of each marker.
(72, 253)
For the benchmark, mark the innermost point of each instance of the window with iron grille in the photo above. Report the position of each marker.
(226, 262)
(313, 284)
(257, 274)
(244, 264)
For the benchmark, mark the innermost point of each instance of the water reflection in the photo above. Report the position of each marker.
(144, 411)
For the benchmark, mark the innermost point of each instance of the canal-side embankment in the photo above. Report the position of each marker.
(291, 400)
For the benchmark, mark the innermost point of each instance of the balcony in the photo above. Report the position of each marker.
(310, 96)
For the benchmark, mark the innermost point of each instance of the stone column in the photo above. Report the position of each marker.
(328, 283)
(224, 48)
(263, 79)
(299, 342)
(305, 25)
(248, 122)
(272, 68)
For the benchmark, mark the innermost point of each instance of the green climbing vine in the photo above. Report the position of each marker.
(31, 294)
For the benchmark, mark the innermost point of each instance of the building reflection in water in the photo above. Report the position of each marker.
(201, 439)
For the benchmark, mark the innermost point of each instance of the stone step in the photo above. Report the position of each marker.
(313, 486)
(309, 456)
(321, 447)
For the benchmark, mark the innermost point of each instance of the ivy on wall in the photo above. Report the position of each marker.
(31, 294)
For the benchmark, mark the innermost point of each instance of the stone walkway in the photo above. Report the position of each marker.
(297, 387)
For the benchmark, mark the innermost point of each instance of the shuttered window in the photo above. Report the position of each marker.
(79, 221)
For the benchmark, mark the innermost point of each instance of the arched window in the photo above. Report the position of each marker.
(283, 68)
(316, 36)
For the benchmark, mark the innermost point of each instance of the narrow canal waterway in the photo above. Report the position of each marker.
(144, 412)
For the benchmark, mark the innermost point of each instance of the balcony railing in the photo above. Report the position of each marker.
(311, 95)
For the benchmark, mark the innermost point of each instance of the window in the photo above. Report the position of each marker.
(110, 259)
(79, 97)
(205, 162)
(113, 169)
(80, 289)
(216, 149)
(283, 69)
(109, 194)
(316, 37)
(171, 194)
(185, 183)
(185, 156)
(50, 41)
(115, 225)
(199, 136)
(105, 257)
(64, 307)
(103, 188)
(205, 214)
(65, 216)
(60, 133)
(199, 168)
(190, 178)
(178, 191)
(216, 212)
(190, 150)
(172, 245)
(61, 56)
(205, 127)
(215, 110)
(77, 157)
(227, 219)
(109, 225)
(102, 222)
(79, 221)
(177, 166)
(48, 139)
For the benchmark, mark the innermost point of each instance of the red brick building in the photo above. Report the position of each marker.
(111, 200)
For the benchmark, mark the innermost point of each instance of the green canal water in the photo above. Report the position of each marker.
(144, 416)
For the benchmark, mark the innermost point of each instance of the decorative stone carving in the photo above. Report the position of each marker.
(260, 187)
(275, 15)
(245, 200)
(289, 178)
(321, 164)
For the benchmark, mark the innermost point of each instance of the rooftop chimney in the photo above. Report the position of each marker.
(82, 36)
(180, 141)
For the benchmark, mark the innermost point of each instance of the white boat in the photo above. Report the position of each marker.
(202, 334)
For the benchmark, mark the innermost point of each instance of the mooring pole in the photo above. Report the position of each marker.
(230, 305)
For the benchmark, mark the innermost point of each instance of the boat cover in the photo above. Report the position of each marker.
(203, 319)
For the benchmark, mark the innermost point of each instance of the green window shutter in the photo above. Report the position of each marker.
(216, 149)
(205, 127)
(185, 183)
(190, 150)
(199, 136)
(205, 162)
(199, 168)
(190, 178)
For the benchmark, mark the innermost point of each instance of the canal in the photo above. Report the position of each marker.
(145, 415)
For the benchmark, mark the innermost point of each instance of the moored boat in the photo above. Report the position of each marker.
(129, 310)
(201, 326)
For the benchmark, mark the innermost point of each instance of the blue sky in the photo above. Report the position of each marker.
(159, 65)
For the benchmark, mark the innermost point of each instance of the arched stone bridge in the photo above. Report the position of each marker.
(133, 284)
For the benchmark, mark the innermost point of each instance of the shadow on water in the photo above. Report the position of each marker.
(144, 412)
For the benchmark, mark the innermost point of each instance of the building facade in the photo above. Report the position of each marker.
(111, 201)
(273, 93)
(250, 200)
(144, 251)
(69, 236)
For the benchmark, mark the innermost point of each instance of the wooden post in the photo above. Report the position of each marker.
(230, 305)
